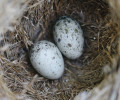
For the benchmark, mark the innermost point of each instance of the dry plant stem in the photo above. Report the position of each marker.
(108, 89)
(5, 93)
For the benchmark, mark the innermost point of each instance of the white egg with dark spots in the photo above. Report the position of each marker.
(47, 59)
(68, 36)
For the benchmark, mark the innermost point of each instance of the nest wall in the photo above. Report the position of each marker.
(101, 35)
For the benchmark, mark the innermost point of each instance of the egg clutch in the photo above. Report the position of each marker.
(47, 58)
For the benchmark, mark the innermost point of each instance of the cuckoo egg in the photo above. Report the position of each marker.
(68, 36)
(47, 59)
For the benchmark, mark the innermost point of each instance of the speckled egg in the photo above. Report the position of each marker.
(47, 59)
(68, 36)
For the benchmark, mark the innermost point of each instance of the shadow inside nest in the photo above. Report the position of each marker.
(83, 73)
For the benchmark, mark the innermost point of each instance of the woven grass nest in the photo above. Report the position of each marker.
(83, 74)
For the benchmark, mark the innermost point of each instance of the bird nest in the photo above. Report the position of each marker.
(84, 73)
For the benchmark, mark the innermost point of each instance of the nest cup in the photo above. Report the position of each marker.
(84, 73)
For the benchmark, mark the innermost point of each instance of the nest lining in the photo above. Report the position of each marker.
(101, 41)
